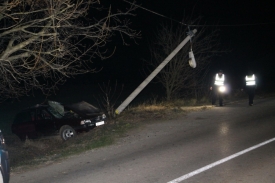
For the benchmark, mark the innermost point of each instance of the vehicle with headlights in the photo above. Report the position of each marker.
(54, 118)
(4, 161)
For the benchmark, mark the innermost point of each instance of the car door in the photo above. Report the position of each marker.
(24, 124)
(45, 122)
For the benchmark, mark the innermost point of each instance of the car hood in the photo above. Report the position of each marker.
(82, 108)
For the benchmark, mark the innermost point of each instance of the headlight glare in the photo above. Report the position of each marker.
(222, 88)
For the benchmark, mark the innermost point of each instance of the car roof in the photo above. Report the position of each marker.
(37, 106)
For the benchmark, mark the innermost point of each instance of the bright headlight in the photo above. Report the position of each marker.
(222, 88)
(85, 121)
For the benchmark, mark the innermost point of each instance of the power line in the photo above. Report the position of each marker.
(194, 25)
(155, 13)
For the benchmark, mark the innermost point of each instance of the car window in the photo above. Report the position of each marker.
(24, 117)
(46, 114)
(54, 112)
(43, 114)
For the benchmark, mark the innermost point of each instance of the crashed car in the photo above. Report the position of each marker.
(54, 118)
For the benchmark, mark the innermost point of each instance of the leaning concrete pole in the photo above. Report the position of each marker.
(154, 73)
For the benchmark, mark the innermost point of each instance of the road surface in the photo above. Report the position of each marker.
(233, 143)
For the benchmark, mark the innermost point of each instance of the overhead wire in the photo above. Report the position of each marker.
(155, 12)
(196, 25)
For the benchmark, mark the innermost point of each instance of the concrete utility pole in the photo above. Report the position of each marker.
(154, 73)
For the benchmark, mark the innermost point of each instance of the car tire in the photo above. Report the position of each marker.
(67, 132)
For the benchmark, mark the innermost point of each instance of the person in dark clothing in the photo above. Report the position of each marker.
(250, 82)
(218, 88)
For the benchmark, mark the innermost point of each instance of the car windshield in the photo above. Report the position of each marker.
(54, 112)
(66, 114)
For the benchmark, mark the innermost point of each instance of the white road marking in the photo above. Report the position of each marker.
(191, 174)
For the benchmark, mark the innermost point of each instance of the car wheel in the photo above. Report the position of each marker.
(67, 132)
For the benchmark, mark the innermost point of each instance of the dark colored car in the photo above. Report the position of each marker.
(54, 118)
(4, 161)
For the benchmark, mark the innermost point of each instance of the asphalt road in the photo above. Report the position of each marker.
(233, 143)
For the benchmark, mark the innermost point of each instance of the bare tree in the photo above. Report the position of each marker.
(45, 42)
(109, 97)
(177, 77)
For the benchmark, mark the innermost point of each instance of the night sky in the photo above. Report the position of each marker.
(247, 29)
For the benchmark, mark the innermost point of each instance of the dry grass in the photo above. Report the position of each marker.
(161, 111)
(32, 153)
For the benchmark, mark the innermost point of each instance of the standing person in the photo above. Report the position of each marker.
(250, 82)
(218, 88)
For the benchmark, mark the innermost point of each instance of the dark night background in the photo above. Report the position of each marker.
(246, 28)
